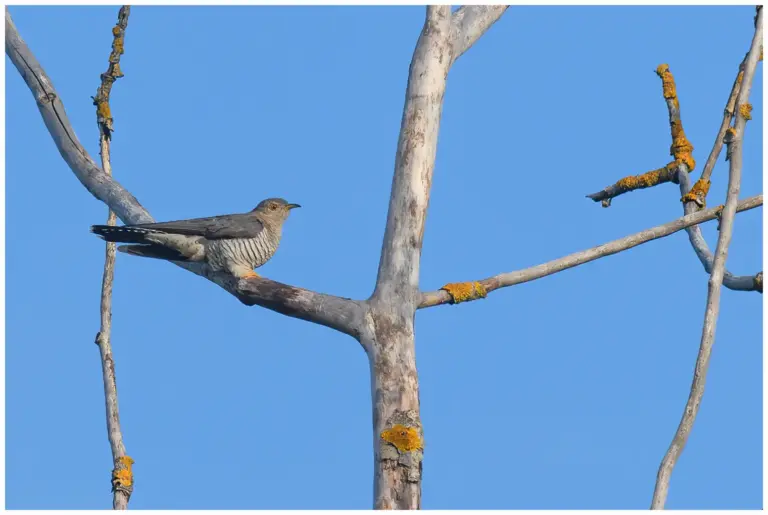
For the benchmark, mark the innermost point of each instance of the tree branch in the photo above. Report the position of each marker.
(694, 198)
(439, 297)
(335, 312)
(470, 22)
(681, 149)
(711, 313)
(122, 473)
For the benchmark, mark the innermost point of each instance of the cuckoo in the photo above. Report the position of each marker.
(235, 243)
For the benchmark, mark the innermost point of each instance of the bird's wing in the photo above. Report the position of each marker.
(213, 227)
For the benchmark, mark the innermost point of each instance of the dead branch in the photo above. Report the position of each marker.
(681, 150)
(122, 472)
(459, 292)
(716, 278)
(694, 198)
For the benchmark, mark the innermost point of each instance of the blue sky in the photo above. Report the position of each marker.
(562, 393)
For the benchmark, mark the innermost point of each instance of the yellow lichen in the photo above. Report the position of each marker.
(404, 438)
(116, 30)
(698, 193)
(667, 81)
(635, 182)
(103, 110)
(461, 292)
(122, 475)
(681, 148)
(745, 110)
(117, 46)
(739, 77)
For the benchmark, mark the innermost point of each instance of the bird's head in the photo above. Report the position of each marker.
(275, 208)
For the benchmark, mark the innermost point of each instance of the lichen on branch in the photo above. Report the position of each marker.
(698, 193)
(101, 100)
(463, 292)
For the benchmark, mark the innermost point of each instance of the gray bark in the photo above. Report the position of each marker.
(436, 298)
(712, 310)
(122, 472)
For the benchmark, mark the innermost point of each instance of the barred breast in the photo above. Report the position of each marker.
(250, 252)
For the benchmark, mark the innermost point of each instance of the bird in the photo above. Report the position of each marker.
(235, 243)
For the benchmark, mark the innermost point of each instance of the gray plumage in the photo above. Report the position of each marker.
(236, 243)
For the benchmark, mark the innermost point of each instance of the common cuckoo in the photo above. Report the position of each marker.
(236, 243)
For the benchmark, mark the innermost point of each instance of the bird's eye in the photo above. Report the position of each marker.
(273, 207)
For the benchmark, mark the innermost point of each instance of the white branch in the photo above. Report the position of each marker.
(468, 23)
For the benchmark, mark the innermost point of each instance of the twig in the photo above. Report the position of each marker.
(711, 313)
(436, 298)
(681, 150)
(122, 473)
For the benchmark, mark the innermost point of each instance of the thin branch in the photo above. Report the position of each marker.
(335, 312)
(122, 473)
(667, 173)
(681, 150)
(436, 298)
(469, 23)
(728, 113)
(711, 313)
(694, 198)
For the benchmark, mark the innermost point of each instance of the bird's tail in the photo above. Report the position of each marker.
(152, 251)
(121, 234)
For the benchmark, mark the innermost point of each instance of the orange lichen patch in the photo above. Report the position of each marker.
(116, 30)
(461, 292)
(698, 193)
(646, 180)
(406, 439)
(122, 475)
(761, 54)
(745, 110)
(667, 81)
(681, 148)
(739, 77)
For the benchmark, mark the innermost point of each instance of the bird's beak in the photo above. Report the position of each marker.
(292, 206)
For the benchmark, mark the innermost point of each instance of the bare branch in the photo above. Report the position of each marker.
(694, 198)
(681, 149)
(333, 312)
(122, 473)
(728, 112)
(441, 296)
(711, 313)
(624, 185)
(470, 22)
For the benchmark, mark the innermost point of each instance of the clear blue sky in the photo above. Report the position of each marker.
(562, 393)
